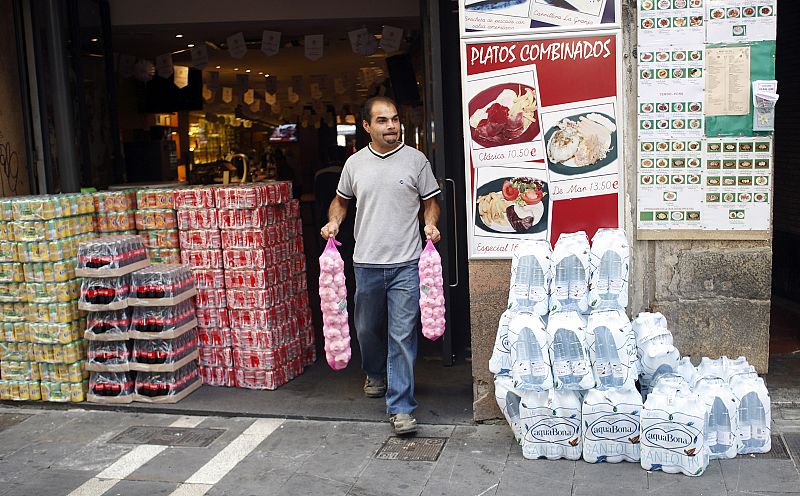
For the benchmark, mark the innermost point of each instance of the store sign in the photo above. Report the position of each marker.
(270, 43)
(164, 65)
(314, 46)
(200, 56)
(181, 76)
(510, 17)
(543, 138)
(237, 46)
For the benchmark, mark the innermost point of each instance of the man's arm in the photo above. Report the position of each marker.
(336, 214)
(431, 213)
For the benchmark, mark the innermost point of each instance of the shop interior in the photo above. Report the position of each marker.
(286, 118)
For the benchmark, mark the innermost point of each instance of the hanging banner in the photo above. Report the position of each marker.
(227, 94)
(249, 97)
(358, 40)
(126, 65)
(255, 106)
(391, 37)
(200, 55)
(181, 79)
(237, 46)
(544, 147)
(270, 42)
(212, 79)
(509, 17)
(164, 65)
(314, 45)
(208, 95)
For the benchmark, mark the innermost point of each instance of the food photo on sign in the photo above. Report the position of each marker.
(508, 203)
(526, 16)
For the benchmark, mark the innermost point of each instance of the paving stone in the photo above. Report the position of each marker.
(141, 488)
(311, 485)
(535, 481)
(661, 483)
(457, 473)
(744, 474)
(609, 478)
(488, 442)
(392, 477)
(49, 482)
(8, 420)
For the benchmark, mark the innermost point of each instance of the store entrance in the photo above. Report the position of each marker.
(294, 115)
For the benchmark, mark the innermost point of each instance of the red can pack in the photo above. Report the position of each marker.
(306, 336)
(202, 197)
(294, 368)
(197, 219)
(255, 319)
(294, 208)
(252, 238)
(250, 218)
(203, 259)
(309, 356)
(200, 239)
(244, 196)
(214, 336)
(253, 298)
(212, 317)
(294, 348)
(209, 278)
(211, 298)
(298, 263)
(218, 376)
(259, 339)
(246, 259)
(250, 278)
(215, 356)
(304, 319)
(300, 283)
(269, 359)
(260, 379)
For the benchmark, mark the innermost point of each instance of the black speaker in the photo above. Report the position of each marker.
(404, 80)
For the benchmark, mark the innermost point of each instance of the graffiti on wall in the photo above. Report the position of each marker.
(10, 180)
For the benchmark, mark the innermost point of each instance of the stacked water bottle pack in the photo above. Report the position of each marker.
(41, 348)
(566, 360)
(157, 223)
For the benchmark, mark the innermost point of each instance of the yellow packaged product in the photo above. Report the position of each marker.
(10, 369)
(55, 333)
(64, 391)
(60, 353)
(50, 271)
(6, 231)
(53, 312)
(63, 372)
(6, 209)
(8, 251)
(11, 272)
(50, 251)
(12, 292)
(10, 350)
(14, 331)
(13, 312)
(53, 292)
(28, 231)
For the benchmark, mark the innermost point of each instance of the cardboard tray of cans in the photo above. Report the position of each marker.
(111, 256)
(106, 293)
(162, 285)
(110, 325)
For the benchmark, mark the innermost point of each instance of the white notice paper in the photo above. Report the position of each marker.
(164, 65)
(728, 81)
(314, 46)
(200, 56)
(391, 38)
(358, 40)
(181, 79)
(227, 94)
(270, 42)
(237, 47)
(738, 21)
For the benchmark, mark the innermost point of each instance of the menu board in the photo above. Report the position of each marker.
(709, 184)
(542, 138)
(738, 21)
(510, 17)
(671, 21)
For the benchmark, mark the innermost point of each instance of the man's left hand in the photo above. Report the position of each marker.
(432, 233)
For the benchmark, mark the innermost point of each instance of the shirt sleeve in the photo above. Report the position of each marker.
(345, 186)
(427, 184)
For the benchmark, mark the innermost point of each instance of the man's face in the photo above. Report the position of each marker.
(384, 125)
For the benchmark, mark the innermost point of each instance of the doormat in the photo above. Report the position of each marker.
(411, 449)
(168, 436)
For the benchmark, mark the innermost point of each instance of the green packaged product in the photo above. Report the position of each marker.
(51, 251)
(63, 392)
(20, 390)
(12, 292)
(26, 371)
(6, 231)
(14, 331)
(13, 312)
(30, 230)
(8, 251)
(16, 351)
(60, 353)
(55, 333)
(47, 207)
(11, 272)
(6, 209)
(63, 372)
(52, 312)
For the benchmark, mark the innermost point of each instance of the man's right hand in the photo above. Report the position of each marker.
(329, 230)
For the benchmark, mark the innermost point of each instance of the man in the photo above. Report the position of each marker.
(388, 180)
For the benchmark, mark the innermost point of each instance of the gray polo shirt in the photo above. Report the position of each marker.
(387, 189)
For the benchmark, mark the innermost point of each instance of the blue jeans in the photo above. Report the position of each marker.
(393, 292)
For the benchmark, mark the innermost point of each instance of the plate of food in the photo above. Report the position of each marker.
(512, 205)
(504, 114)
(581, 143)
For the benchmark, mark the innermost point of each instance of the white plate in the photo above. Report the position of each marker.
(538, 212)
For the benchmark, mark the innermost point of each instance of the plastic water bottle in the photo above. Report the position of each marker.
(609, 282)
(529, 283)
(577, 280)
(563, 354)
(722, 425)
(610, 371)
(537, 291)
(562, 283)
(579, 362)
(752, 421)
(529, 357)
(512, 407)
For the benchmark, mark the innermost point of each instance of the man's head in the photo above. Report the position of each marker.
(381, 121)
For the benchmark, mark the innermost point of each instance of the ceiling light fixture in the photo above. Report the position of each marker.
(190, 45)
(94, 39)
(248, 70)
(260, 72)
(235, 68)
(219, 66)
(179, 36)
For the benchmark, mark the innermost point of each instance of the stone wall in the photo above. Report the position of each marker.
(714, 294)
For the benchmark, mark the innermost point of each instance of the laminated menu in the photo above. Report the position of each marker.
(163, 322)
(161, 285)
(111, 256)
(671, 21)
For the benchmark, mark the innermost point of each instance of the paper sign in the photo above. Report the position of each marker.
(738, 21)
(249, 97)
(200, 56)
(728, 81)
(126, 65)
(270, 42)
(237, 46)
(208, 95)
(227, 94)
(358, 40)
(164, 65)
(314, 45)
(212, 80)
(181, 79)
(664, 22)
(255, 106)
(391, 38)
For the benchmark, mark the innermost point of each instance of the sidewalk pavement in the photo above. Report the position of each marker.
(56, 452)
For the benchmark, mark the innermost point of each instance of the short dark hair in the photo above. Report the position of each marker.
(366, 110)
